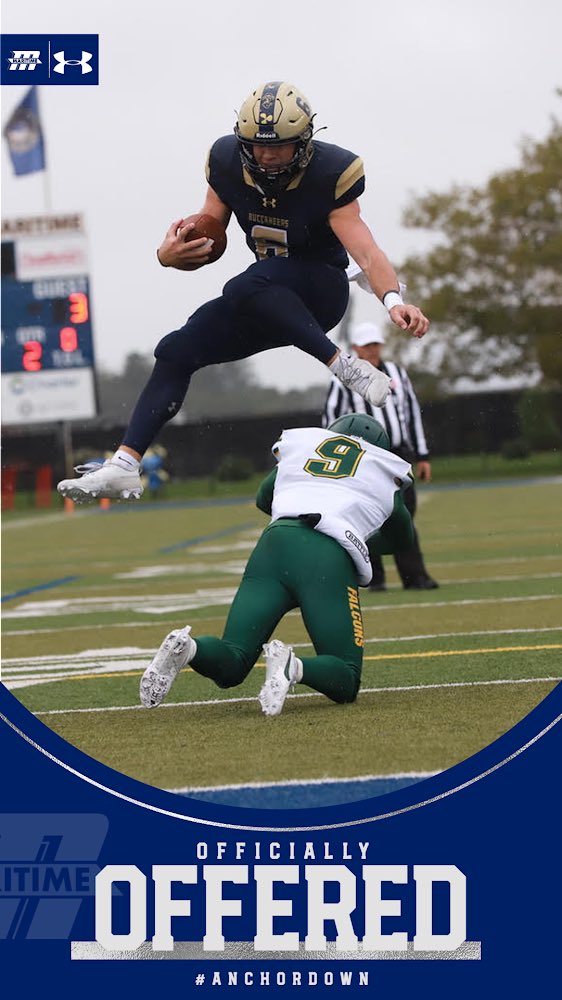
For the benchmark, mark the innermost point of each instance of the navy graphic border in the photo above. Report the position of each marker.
(495, 816)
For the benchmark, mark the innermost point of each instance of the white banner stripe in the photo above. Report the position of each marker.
(244, 951)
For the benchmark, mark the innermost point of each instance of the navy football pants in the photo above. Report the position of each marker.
(276, 302)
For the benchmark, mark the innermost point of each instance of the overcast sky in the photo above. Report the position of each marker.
(428, 92)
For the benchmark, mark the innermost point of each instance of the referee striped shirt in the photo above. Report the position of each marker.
(401, 416)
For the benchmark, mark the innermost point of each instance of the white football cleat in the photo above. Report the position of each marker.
(96, 481)
(282, 670)
(177, 650)
(362, 377)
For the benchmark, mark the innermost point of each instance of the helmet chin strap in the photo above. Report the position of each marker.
(269, 183)
(280, 178)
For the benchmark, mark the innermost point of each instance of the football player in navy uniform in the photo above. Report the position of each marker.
(296, 200)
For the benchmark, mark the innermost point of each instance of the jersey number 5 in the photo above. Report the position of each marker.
(270, 242)
(339, 457)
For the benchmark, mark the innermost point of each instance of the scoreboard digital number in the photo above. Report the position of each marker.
(48, 367)
(46, 325)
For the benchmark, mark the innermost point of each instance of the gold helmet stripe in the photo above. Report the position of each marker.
(353, 173)
(208, 167)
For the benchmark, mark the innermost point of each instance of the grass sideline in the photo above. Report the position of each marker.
(445, 671)
(446, 470)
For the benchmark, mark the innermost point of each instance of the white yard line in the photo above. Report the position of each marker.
(496, 559)
(130, 654)
(297, 782)
(307, 694)
(501, 579)
(24, 672)
(40, 520)
(85, 668)
(163, 604)
(85, 655)
(27, 680)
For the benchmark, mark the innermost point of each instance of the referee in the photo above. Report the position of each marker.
(401, 417)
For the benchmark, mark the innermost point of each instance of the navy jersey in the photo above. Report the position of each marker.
(292, 222)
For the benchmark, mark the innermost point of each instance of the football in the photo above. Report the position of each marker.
(207, 225)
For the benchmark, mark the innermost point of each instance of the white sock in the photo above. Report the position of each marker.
(298, 677)
(125, 461)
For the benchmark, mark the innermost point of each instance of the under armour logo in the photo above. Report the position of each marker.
(63, 63)
(24, 59)
(270, 202)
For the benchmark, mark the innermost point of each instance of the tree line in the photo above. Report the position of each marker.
(491, 282)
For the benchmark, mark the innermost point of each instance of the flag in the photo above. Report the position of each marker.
(24, 136)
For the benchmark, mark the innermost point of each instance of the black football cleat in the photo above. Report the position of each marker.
(422, 583)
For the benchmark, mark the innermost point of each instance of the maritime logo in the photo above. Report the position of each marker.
(48, 866)
(24, 59)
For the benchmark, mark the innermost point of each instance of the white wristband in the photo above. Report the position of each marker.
(391, 299)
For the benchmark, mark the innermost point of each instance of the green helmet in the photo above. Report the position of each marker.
(363, 426)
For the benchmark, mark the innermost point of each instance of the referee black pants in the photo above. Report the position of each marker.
(409, 562)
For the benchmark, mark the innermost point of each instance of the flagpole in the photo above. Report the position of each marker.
(47, 199)
(65, 425)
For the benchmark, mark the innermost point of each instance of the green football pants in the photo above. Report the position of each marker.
(293, 566)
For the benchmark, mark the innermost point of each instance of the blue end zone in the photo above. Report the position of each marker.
(303, 795)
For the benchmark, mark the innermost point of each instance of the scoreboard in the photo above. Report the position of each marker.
(48, 368)
(46, 325)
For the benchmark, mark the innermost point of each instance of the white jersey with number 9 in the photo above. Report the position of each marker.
(346, 480)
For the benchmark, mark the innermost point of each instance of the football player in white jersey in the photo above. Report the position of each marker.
(335, 499)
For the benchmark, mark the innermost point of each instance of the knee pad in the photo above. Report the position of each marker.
(231, 679)
(172, 348)
(354, 692)
(242, 287)
(353, 688)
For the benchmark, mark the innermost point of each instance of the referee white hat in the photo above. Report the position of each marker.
(367, 333)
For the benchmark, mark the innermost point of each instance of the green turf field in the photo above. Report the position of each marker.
(445, 672)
